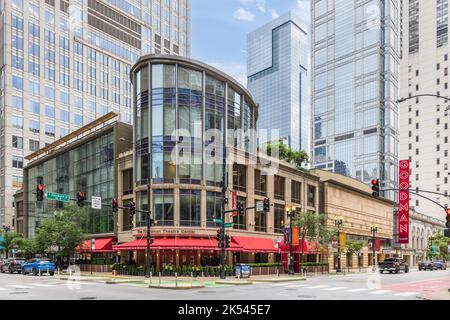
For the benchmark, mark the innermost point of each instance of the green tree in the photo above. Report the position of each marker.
(312, 227)
(354, 247)
(441, 242)
(10, 241)
(63, 233)
(297, 158)
(29, 248)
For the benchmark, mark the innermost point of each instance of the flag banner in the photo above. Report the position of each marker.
(403, 202)
(295, 236)
(343, 239)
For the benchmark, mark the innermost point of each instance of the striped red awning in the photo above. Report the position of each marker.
(253, 244)
(174, 243)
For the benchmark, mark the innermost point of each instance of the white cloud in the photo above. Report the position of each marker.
(243, 15)
(274, 13)
(260, 4)
(303, 10)
(234, 69)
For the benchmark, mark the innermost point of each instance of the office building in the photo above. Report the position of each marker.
(424, 121)
(355, 59)
(66, 63)
(279, 79)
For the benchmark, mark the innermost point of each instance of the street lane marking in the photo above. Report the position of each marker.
(316, 287)
(405, 294)
(357, 290)
(336, 288)
(3, 289)
(296, 285)
(18, 286)
(380, 291)
(42, 285)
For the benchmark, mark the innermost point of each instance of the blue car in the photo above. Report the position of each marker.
(440, 264)
(39, 266)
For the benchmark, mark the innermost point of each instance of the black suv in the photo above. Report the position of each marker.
(13, 265)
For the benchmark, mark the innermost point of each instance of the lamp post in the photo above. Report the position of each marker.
(374, 230)
(338, 222)
(291, 213)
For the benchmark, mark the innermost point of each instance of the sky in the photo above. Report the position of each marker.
(219, 29)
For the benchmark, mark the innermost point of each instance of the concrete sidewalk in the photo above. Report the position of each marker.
(438, 295)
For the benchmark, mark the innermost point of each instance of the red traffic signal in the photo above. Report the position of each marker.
(115, 205)
(40, 192)
(376, 188)
(80, 198)
(41, 187)
(266, 204)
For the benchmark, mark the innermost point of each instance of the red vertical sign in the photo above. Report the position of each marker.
(233, 200)
(403, 202)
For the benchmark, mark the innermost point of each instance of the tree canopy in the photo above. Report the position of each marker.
(297, 158)
(441, 243)
(11, 240)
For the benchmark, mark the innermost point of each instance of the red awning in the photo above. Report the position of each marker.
(174, 243)
(101, 245)
(308, 247)
(252, 244)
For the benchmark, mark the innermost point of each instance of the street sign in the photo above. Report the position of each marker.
(92, 244)
(58, 196)
(228, 225)
(218, 220)
(259, 206)
(96, 202)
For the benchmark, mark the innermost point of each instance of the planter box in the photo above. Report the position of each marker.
(95, 268)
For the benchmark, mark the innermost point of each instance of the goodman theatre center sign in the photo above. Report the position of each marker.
(403, 202)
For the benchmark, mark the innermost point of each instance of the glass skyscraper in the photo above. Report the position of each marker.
(279, 79)
(65, 63)
(355, 49)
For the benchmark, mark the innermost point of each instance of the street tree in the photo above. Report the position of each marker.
(354, 247)
(440, 242)
(10, 241)
(312, 227)
(63, 233)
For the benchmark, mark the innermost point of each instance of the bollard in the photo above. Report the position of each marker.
(151, 273)
(278, 273)
(160, 279)
(48, 273)
(176, 280)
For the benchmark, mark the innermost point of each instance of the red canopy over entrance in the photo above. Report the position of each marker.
(174, 243)
(310, 247)
(253, 244)
(101, 245)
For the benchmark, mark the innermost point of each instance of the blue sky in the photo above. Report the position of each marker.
(219, 29)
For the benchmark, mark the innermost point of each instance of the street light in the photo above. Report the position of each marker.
(291, 213)
(338, 222)
(374, 230)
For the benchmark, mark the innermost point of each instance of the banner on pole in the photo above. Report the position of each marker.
(403, 202)
(295, 236)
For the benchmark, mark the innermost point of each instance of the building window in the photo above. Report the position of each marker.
(239, 177)
(260, 183)
(240, 220)
(34, 145)
(17, 162)
(261, 221)
(17, 182)
(296, 191)
(127, 182)
(17, 142)
(311, 196)
(213, 207)
(190, 208)
(163, 207)
(279, 187)
(278, 219)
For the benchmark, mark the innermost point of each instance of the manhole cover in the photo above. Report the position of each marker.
(18, 292)
(306, 296)
(207, 292)
(88, 298)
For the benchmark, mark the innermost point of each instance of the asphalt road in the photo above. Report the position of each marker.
(350, 287)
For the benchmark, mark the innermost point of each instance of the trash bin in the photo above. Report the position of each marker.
(242, 270)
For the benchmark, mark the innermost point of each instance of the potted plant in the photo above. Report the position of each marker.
(205, 271)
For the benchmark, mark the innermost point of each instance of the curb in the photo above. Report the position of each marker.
(126, 281)
(154, 286)
(236, 283)
(276, 280)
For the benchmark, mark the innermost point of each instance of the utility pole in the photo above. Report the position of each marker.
(338, 223)
(224, 199)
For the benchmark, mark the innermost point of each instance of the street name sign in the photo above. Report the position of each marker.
(218, 220)
(259, 206)
(228, 225)
(58, 196)
(96, 202)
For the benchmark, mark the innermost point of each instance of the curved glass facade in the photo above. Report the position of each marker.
(181, 107)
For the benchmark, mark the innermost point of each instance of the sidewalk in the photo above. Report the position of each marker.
(438, 295)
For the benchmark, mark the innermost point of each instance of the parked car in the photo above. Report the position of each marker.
(439, 265)
(37, 266)
(393, 265)
(13, 265)
(426, 265)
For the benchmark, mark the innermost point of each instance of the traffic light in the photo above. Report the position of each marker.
(240, 207)
(376, 188)
(81, 196)
(219, 238)
(40, 192)
(132, 208)
(447, 224)
(227, 241)
(115, 205)
(266, 204)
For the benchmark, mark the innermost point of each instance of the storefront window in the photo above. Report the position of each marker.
(190, 208)
(213, 207)
(163, 207)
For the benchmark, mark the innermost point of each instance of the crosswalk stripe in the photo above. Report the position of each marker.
(405, 294)
(296, 285)
(380, 291)
(3, 289)
(336, 288)
(18, 286)
(357, 290)
(316, 287)
(42, 285)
